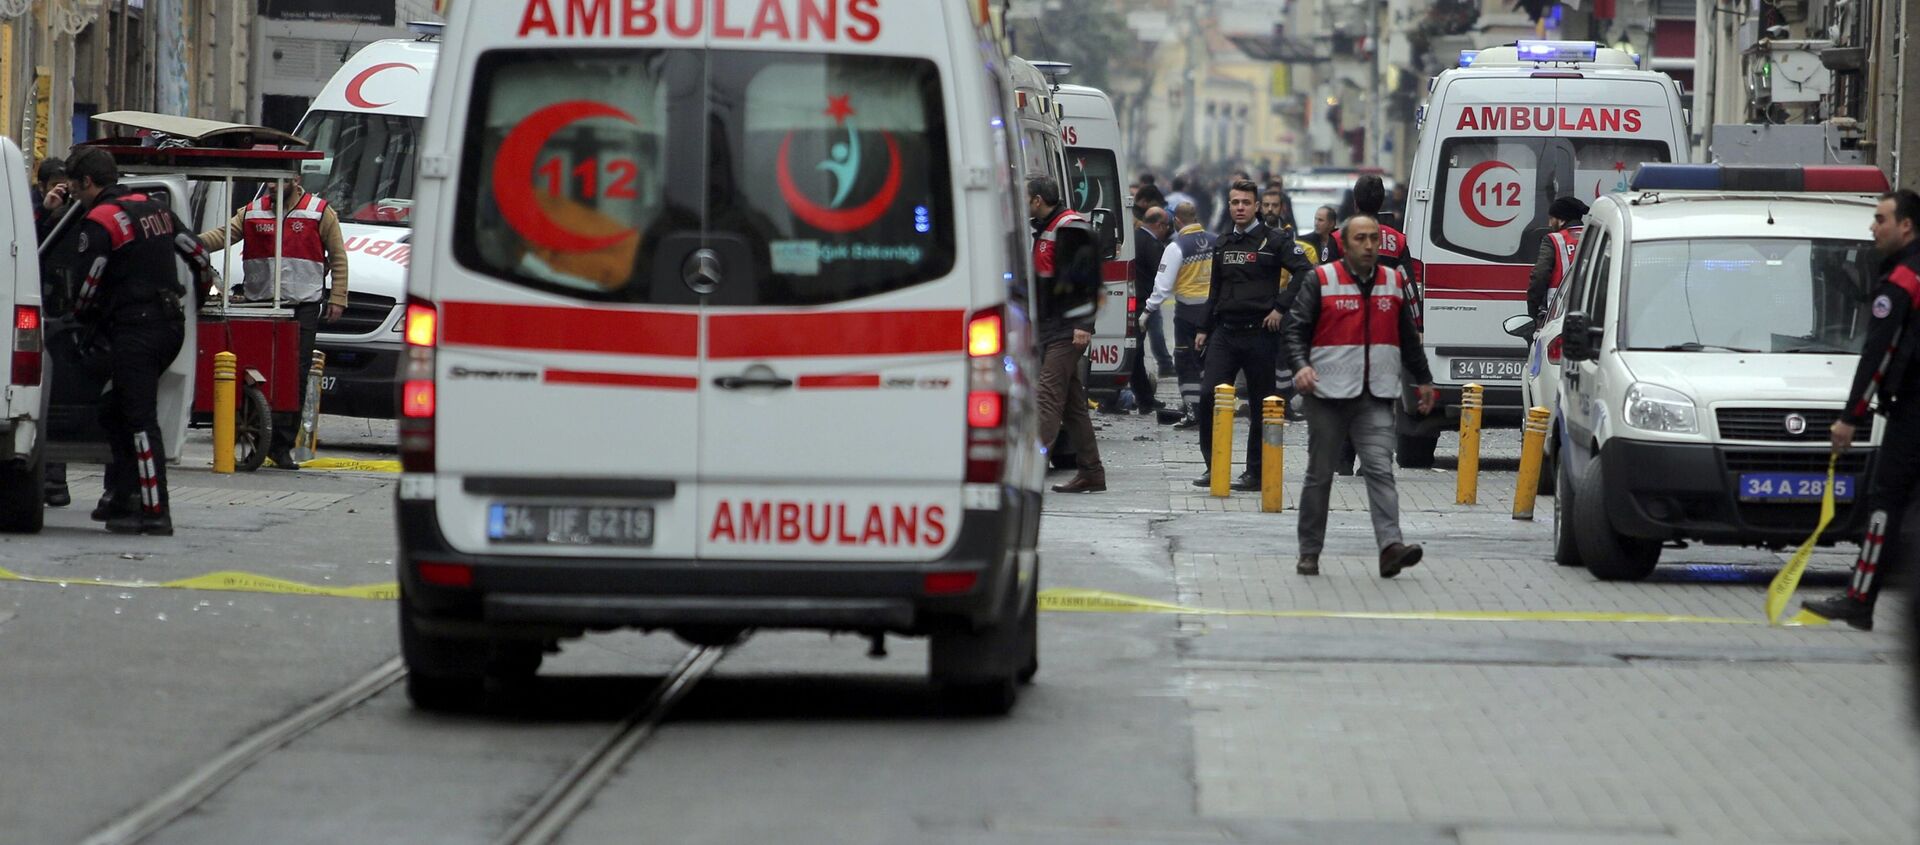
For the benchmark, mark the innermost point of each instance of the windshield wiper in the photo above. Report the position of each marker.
(1696, 346)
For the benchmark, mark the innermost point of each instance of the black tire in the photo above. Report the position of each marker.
(1607, 554)
(252, 429)
(447, 674)
(1549, 473)
(1415, 451)
(1565, 552)
(1030, 631)
(23, 496)
(978, 672)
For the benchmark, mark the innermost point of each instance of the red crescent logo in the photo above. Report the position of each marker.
(1466, 193)
(845, 219)
(360, 100)
(513, 174)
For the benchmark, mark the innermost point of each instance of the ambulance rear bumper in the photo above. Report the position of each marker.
(549, 597)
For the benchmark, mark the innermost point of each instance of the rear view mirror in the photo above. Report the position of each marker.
(1578, 338)
(1520, 326)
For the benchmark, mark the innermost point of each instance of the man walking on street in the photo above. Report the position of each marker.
(1149, 243)
(1185, 276)
(1067, 281)
(1244, 310)
(313, 249)
(1886, 381)
(1351, 337)
(1149, 197)
(130, 246)
(1556, 254)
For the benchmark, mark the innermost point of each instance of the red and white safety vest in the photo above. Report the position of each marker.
(1565, 243)
(304, 265)
(1043, 243)
(1356, 339)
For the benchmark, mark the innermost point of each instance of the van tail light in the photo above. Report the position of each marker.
(1133, 305)
(1553, 351)
(417, 397)
(26, 345)
(986, 397)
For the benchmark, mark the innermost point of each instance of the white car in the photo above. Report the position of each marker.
(22, 435)
(1712, 325)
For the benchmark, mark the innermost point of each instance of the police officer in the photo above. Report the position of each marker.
(1185, 276)
(1244, 311)
(1369, 194)
(1067, 275)
(312, 249)
(49, 199)
(1564, 218)
(1888, 382)
(133, 293)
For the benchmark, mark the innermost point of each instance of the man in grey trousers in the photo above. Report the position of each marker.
(1350, 340)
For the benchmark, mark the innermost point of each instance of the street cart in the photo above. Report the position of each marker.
(263, 335)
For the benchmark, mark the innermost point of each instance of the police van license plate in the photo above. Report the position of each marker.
(1793, 487)
(1496, 369)
(574, 525)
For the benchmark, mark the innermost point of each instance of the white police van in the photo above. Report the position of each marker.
(1712, 325)
(22, 435)
(1501, 137)
(719, 323)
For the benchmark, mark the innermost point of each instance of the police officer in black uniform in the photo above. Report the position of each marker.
(1241, 334)
(129, 246)
(1886, 381)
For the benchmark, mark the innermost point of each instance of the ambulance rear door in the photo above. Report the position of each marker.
(835, 294)
(1093, 184)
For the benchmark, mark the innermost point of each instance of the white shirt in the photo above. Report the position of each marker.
(1164, 277)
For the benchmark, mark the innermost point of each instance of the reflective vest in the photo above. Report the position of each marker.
(1043, 243)
(1565, 242)
(1195, 278)
(1356, 338)
(303, 267)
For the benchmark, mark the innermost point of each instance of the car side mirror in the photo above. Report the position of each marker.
(1520, 326)
(1579, 340)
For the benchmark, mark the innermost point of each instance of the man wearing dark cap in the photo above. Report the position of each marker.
(1556, 253)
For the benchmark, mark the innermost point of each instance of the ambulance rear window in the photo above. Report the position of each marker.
(809, 178)
(1093, 181)
(1491, 194)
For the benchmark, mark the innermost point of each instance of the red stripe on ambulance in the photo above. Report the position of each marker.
(668, 334)
(828, 524)
(1476, 281)
(836, 333)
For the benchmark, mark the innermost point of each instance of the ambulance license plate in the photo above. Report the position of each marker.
(571, 525)
(1793, 487)
(1494, 369)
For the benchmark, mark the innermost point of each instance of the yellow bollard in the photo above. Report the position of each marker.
(1532, 447)
(224, 367)
(1221, 462)
(1467, 490)
(1273, 453)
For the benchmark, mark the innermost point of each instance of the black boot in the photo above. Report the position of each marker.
(1843, 608)
(57, 496)
(113, 506)
(156, 524)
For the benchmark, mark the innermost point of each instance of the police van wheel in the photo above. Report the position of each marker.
(1415, 451)
(1565, 552)
(252, 430)
(23, 499)
(1607, 554)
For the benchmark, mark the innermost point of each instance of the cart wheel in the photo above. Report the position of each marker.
(252, 430)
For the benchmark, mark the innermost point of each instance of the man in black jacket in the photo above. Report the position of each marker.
(1888, 382)
(1244, 311)
(1066, 276)
(1149, 244)
(1351, 339)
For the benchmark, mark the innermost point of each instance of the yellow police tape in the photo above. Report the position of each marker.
(226, 581)
(1070, 600)
(350, 464)
(1781, 590)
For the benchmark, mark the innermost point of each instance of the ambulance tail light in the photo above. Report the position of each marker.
(987, 385)
(26, 345)
(1133, 305)
(417, 395)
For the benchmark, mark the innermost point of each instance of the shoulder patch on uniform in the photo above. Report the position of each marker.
(1298, 249)
(1882, 306)
(1904, 277)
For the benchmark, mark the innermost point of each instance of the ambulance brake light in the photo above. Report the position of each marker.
(984, 336)
(984, 409)
(1557, 51)
(1844, 179)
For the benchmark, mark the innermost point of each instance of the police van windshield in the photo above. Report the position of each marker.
(367, 170)
(817, 178)
(1752, 295)
(1491, 194)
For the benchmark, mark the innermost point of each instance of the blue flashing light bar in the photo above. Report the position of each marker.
(1833, 178)
(1466, 57)
(1557, 51)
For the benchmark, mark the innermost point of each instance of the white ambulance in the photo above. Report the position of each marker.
(1094, 188)
(367, 122)
(717, 325)
(1500, 139)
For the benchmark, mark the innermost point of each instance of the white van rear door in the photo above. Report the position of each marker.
(832, 387)
(1093, 183)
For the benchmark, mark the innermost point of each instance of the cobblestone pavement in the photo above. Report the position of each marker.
(1509, 732)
